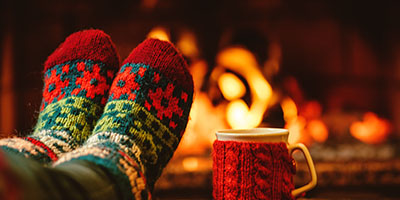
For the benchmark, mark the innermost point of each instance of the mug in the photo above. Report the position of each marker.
(257, 164)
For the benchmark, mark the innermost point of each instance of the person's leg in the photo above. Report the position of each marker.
(77, 78)
(23, 178)
(143, 121)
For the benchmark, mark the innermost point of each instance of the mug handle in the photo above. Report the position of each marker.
(311, 168)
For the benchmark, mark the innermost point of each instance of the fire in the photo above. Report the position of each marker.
(237, 115)
(204, 121)
(305, 126)
(289, 109)
(296, 130)
(205, 118)
(231, 86)
(159, 33)
(371, 130)
(243, 62)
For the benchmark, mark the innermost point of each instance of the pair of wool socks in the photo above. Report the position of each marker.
(129, 124)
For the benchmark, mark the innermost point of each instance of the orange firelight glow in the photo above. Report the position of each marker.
(296, 130)
(294, 124)
(318, 130)
(187, 44)
(190, 164)
(372, 130)
(305, 127)
(159, 33)
(204, 121)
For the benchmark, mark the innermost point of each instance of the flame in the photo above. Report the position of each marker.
(371, 130)
(301, 128)
(159, 33)
(296, 129)
(238, 59)
(187, 44)
(205, 119)
(231, 86)
(294, 124)
(289, 109)
(236, 114)
(243, 62)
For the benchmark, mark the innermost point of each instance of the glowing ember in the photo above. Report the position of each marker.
(231, 86)
(159, 33)
(371, 130)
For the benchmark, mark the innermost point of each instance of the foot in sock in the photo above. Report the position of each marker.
(77, 78)
(143, 120)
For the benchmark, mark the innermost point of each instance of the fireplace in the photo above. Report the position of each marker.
(353, 141)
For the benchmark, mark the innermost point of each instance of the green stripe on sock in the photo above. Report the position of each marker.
(116, 118)
(75, 115)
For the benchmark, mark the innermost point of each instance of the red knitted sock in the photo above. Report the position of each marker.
(250, 170)
(77, 78)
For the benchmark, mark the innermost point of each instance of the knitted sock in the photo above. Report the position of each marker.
(144, 118)
(77, 78)
(252, 170)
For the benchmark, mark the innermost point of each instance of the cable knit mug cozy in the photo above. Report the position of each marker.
(257, 164)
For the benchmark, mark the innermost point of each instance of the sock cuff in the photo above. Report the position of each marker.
(30, 148)
(124, 170)
(89, 44)
(165, 57)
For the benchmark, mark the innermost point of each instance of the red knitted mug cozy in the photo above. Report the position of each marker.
(250, 170)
